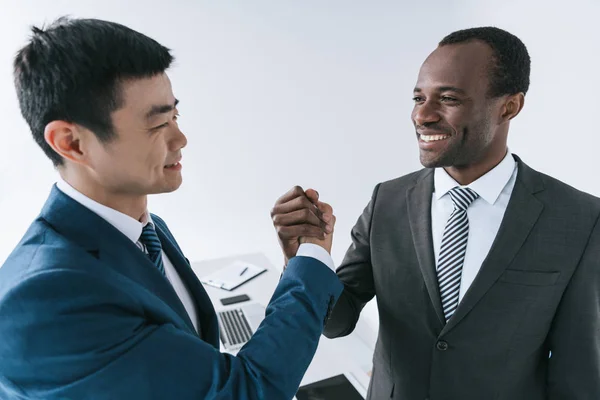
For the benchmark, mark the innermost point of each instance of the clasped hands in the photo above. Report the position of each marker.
(299, 217)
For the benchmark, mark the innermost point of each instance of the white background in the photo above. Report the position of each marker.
(315, 93)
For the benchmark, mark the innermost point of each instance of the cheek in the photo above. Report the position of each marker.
(156, 157)
(111, 167)
(137, 158)
(131, 160)
(457, 121)
(105, 159)
(148, 162)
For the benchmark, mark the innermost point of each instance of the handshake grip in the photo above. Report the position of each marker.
(300, 217)
(325, 243)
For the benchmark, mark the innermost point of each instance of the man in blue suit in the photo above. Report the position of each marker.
(98, 301)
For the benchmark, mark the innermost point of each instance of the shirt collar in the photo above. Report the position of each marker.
(128, 226)
(488, 187)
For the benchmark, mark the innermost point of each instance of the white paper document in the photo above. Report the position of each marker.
(232, 275)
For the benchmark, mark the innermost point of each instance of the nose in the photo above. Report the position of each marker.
(178, 140)
(425, 113)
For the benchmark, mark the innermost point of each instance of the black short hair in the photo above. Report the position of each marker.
(72, 71)
(512, 65)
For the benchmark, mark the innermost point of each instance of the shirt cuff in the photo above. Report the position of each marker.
(317, 252)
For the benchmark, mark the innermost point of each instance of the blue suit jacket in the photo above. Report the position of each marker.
(84, 314)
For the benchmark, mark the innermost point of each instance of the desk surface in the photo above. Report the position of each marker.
(333, 357)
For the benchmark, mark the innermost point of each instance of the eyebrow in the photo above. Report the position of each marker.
(161, 109)
(444, 89)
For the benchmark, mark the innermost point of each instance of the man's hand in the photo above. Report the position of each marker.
(328, 240)
(299, 214)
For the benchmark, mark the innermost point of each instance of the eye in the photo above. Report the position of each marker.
(418, 99)
(159, 127)
(448, 99)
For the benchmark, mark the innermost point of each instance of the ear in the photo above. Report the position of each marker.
(512, 106)
(65, 139)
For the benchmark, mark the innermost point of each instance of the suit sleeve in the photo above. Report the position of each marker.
(69, 335)
(356, 273)
(574, 367)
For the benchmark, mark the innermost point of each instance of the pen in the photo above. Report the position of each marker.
(243, 271)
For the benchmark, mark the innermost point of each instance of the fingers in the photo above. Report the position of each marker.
(324, 208)
(325, 241)
(291, 194)
(295, 231)
(312, 195)
(294, 204)
(299, 213)
(298, 217)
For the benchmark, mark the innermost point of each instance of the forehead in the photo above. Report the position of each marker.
(465, 66)
(141, 94)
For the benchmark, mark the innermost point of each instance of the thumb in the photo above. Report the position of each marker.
(312, 195)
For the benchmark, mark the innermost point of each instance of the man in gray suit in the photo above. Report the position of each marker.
(486, 272)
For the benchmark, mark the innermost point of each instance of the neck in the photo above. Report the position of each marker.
(126, 203)
(465, 175)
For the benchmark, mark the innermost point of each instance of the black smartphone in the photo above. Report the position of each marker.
(234, 299)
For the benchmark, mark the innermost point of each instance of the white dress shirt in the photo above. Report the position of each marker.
(485, 213)
(317, 252)
(132, 229)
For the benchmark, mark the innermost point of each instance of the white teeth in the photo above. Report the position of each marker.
(433, 138)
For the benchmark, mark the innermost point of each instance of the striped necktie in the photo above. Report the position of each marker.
(150, 239)
(453, 249)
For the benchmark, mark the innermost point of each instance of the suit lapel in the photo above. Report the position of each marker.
(119, 255)
(129, 260)
(520, 217)
(419, 214)
(207, 321)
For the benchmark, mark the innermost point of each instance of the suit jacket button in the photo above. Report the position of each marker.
(442, 346)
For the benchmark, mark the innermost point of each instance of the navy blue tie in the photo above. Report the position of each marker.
(150, 239)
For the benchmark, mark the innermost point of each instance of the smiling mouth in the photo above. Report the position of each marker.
(433, 138)
(172, 165)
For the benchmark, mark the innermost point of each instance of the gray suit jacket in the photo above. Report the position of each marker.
(537, 291)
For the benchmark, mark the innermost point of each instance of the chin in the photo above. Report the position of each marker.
(430, 161)
(172, 187)
(438, 160)
(167, 187)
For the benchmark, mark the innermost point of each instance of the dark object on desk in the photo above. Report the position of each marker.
(234, 299)
(334, 388)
